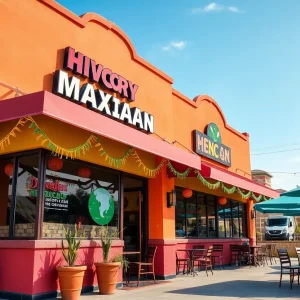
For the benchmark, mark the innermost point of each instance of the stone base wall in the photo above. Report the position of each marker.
(289, 245)
(21, 230)
(57, 230)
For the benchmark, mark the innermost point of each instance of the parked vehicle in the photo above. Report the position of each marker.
(280, 228)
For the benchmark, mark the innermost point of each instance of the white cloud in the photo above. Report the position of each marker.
(234, 9)
(179, 45)
(214, 7)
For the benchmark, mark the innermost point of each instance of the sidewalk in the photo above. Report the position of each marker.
(241, 283)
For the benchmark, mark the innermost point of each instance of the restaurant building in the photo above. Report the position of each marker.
(90, 132)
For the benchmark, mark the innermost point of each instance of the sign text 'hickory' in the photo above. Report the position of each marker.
(97, 99)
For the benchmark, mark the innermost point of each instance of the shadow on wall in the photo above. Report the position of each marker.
(47, 274)
(244, 289)
(88, 260)
(47, 278)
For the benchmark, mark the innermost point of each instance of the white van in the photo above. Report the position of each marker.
(280, 228)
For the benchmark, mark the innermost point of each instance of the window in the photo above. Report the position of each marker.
(6, 177)
(228, 219)
(243, 220)
(221, 221)
(201, 216)
(26, 196)
(235, 219)
(211, 213)
(191, 217)
(75, 193)
(202, 221)
(180, 216)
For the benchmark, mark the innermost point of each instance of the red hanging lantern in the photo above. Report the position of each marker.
(187, 193)
(55, 163)
(84, 172)
(222, 200)
(9, 169)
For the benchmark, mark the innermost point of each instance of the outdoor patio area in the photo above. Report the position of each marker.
(231, 283)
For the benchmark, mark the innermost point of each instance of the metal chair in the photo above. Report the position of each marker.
(285, 264)
(217, 255)
(234, 253)
(245, 255)
(270, 253)
(182, 261)
(197, 255)
(206, 261)
(298, 254)
(146, 267)
(262, 255)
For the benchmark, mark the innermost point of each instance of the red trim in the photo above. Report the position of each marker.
(45, 103)
(213, 172)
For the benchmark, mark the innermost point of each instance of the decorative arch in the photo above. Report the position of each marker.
(84, 19)
(200, 98)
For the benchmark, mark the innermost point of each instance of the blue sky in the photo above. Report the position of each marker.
(243, 53)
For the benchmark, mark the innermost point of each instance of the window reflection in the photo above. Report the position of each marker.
(211, 212)
(202, 216)
(243, 220)
(179, 216)
(26, 196)
(235, 219)
(191, 217)
(79, 194)
(221, 220)
(228, 219)
(6, 176)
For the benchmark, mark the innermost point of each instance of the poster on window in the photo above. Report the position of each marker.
(55, 196)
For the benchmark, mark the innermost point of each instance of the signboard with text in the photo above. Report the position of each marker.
(209, 144)
(93, 93)
(55, 194)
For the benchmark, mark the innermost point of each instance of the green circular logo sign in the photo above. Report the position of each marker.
(101, 206)
(214, 133)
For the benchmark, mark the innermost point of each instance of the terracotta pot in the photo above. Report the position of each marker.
(107, 275)
(70, 281)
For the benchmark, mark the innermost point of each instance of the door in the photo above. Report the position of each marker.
(135, 225)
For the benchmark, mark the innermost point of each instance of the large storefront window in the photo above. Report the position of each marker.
(75, 193)
(6, 176)
(202, 217)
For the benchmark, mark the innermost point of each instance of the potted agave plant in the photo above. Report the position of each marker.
(108, 270)
(71, 275)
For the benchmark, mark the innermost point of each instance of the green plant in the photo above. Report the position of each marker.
(71, 236)
(106, 238)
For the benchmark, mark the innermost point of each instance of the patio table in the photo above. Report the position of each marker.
(190, 253)
(125, 253)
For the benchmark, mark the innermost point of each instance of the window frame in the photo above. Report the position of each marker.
(16, 157)
(42, 164)
(217, 209)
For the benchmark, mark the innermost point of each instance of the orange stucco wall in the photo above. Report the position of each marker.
(49, 32)
(33, 41)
